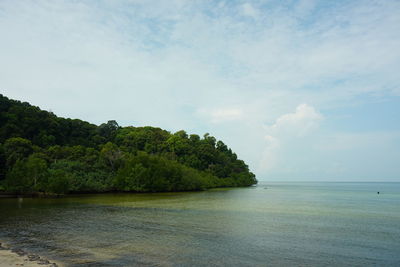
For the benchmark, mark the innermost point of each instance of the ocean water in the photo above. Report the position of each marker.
(272, 224)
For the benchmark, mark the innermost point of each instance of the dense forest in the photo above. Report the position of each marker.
(43, 153)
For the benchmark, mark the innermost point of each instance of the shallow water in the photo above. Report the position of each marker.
(286, 224)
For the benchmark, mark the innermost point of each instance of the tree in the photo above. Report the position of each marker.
(58, 182)
(108, 130)
(17, 180)
(112, 155)
(2, 163)
(132, 178)
(42, 152)
(36, 168)
(16, 148)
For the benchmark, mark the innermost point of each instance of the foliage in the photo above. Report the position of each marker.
(58, 181)
(40, 152)
(17, 180)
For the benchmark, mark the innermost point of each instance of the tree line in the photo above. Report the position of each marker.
(41, 152)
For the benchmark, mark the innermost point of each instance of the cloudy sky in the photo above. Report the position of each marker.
(301, 90)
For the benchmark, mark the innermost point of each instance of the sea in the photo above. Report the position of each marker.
(271, 224)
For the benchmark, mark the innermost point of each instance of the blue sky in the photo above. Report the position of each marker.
(301, 90)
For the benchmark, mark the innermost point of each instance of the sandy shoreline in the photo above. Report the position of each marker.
(16, 257)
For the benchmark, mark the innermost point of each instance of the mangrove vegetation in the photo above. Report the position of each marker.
(43, 153)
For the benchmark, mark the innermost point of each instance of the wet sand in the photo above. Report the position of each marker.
(10, 258)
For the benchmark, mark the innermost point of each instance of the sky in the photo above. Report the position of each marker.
(300, 90)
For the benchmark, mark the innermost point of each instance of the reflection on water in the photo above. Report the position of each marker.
(285, 224)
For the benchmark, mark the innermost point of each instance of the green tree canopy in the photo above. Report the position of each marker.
(40, 152)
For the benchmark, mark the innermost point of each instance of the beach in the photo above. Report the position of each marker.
(10, 257)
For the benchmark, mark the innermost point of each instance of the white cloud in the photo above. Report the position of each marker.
(298, 123)
(249, 10)
(220, 115)
(287, 130)
(271, 154)
(226, 115)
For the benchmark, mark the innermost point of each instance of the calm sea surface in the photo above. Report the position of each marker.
(286, 224)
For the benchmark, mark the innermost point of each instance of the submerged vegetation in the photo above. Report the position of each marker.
(40, 152)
